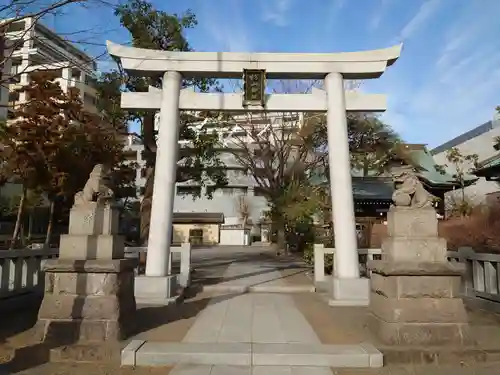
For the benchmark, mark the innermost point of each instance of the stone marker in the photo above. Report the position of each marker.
(414, 290)
(89, 290)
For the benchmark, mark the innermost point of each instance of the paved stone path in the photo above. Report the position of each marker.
(251, 318)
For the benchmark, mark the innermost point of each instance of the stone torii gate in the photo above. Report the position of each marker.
(348, 287)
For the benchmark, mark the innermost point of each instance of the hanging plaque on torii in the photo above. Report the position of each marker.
(254, 87)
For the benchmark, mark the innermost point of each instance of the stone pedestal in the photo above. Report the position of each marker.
(89, 290)
(93, 230)
(88, 301)
(414, 290)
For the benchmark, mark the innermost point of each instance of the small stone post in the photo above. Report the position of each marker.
(89, 290)
(414, 290)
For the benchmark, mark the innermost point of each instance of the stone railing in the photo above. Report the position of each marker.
(20, 270)
(319, 260)
(481, 279)
(482, 273)
(184, 251)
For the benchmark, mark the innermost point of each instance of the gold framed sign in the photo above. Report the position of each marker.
(254, 87)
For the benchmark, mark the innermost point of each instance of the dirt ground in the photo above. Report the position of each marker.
(333, 325)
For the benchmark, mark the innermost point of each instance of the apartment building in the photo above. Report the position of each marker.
(479, 141)
(29, 47)
(225, 200)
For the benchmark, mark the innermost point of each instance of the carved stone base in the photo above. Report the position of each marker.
(417, 304)
(413, 236)
(81, 246)
(88, 301)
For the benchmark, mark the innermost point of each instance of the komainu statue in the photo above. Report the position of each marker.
(410, 192)
(96, 188)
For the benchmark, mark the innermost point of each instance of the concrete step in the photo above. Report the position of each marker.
(142, 353)
(228, 288)
(248, 370)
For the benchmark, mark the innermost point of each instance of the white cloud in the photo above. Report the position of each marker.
(449, 102)
(276, 11)
(335, 7)
(374, 22)
(424, 13)
(456, 84)
(230, 34)
(480, 23)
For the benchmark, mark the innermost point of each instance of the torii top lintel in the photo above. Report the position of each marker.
(352, 65)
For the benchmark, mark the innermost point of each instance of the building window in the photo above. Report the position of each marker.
(196, 236)
(188, 190)
(230, 191)
(227, 190)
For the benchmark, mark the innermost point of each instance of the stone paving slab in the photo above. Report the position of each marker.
(165, 354)
(169, 323)
(238, 354)
(351, 356)
(265, 288)
(247, 370)
(252, 274)
(260, 318)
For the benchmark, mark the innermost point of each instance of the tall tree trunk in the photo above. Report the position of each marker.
(150, 149)
(145, 209)
(280, 228)
(148, 134)
(50, 225)
(22, 236)
(30, 225)
(366, 166)
(20, 211)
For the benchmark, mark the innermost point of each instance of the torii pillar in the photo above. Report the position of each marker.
(348, 287)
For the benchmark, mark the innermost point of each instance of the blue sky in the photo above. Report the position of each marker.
(447, 80)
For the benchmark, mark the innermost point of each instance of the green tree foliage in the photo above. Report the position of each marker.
(278, 155)
(289, 162)
(461, 165)
(372, 143)
(156, 29)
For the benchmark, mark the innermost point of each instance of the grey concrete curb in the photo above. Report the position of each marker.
(376, 357)
(326, 297)
(128, 357)
(240, 354)
(348, 302)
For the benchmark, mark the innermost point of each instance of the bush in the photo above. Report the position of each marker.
(480, 230)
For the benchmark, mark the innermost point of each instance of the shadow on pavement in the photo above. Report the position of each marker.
(151, 317)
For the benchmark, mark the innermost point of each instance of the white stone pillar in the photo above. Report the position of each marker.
(160, 228)
(347, 285)
(341, 180)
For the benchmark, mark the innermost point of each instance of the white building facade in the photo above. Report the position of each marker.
(479, 141)
(29, 47)
(225, 200)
